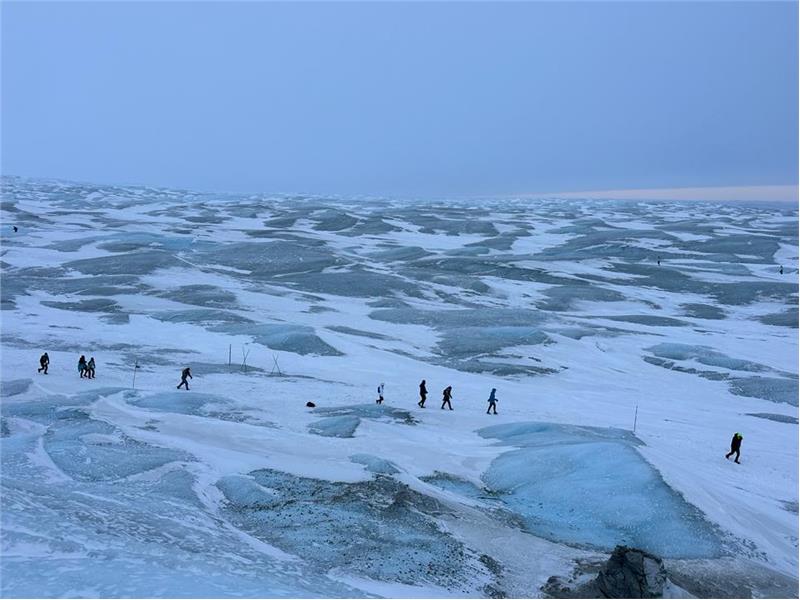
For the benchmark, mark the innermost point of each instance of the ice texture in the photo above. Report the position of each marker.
(589, 486)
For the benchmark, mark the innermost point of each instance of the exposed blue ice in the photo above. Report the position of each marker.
(589, 486)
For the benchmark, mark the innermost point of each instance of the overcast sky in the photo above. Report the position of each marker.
(401, 98)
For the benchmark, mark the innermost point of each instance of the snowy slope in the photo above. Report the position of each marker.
(235, 488)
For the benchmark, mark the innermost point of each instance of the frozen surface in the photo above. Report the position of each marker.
(590, 486)
(237, 489)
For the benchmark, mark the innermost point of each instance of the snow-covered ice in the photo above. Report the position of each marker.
(237, 489)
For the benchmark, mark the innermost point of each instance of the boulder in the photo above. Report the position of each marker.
(632, 573)
(310, 404)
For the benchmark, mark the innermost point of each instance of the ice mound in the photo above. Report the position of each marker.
(201, 405)
(14, 387)
(379, 529)
(299, 339)
(564, 297)
(273, 258)
(96, 451)
(401, 253)
(202, 295)
(783, 390)
(89, 305)
(333, 220)
(131, 263)
(375, 464)
(775, 417)
(200, 316)
(342, 427)
(358, 283)
(370, 411)
(706, 356)
(787, 318)
(590, 487)
(703, 311)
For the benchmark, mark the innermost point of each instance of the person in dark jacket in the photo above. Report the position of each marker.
(781, 269)
(90, 368)
(380, 394)
(736, 444)
(492, 402)
(423, 393)
(44, 362)
(447, 394)
(184, 374)
(82, 366)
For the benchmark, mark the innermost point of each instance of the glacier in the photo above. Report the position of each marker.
(620, 383)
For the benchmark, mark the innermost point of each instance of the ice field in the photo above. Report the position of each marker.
(237, 489)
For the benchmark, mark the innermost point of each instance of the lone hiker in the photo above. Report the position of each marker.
(380, 394)
(447, 394)
(184, 374)
(44, 361)
(423, 393)
(82, 366)
(492, 402)
(781, 269)
(736, 444)
(659, 261)
(90, 368)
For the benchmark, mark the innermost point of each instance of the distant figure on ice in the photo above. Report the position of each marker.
(658, 260)
(781, 269)
(82, 366)
(380, 394)
(492, 402)
(184, 374)
(447, 394)
(15, 229)
(44, 361)
(90, 368)
(736, 444)
(423, 393)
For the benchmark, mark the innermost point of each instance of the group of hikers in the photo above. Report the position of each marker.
(87, 370)
(447, 397)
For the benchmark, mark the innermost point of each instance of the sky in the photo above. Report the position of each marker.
(393, 98)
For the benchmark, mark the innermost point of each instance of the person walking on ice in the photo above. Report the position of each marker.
(44, 362)
(447, 394)
(90, 368)
(184, 374)
(736, 444)
(423, 393)
(492, 402)
(82, 366)
(380, 394)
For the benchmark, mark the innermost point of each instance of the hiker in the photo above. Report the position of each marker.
(447, 394)
(15, 229)
(659, 261)
(423, 393)
(82, 366)
(492, 402)
(90, 368)
(184, 374)
(736, 444)
(44, 361)
(380, 394)
(781, 269)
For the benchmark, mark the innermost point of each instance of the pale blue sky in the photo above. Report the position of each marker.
(401, 98)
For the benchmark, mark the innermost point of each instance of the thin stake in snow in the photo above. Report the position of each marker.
(635, 415)
(276, 366)
(229, 354)
(135, 368)
(244, 357)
